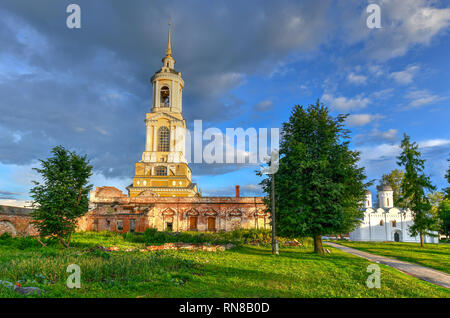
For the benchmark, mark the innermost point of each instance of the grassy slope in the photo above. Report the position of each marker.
(246, 271)
(436, 256)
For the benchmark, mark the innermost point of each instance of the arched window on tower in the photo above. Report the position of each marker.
(165, 97)
(164, 139)
(161, 171)
(387, 200)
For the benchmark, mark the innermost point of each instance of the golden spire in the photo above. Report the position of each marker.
(169, 49)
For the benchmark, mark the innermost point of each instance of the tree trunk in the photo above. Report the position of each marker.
(63, 242)
(318, 248)
(42, 243)
(421, 239)
(274, 237)
(70, 237)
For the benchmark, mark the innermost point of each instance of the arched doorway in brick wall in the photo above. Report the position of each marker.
(7, 227)
(169, 216)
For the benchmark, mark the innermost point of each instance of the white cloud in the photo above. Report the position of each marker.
(383, 94)
(422, 22)
(434, 143)
(356, 78)
(346, 104)
(406, 76)
(382, 158)
(362, 119)
(379, 152)
(216, 84)
(376, 70)
(420, 98)
(16, 203)
(99, 180)
(245, 190)
(389, 134)
(264, 105)
(405, 25)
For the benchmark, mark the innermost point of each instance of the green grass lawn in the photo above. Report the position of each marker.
(436, 256)
(246, 271)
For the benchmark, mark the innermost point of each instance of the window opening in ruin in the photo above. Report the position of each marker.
(211, 224)
(193, 223)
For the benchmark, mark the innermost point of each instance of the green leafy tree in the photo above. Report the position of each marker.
(444, 217)
(318, 187)
(436, 199)
(447, 190)
(394, 179)
(62, 196)
(414, 187)
(444, 208)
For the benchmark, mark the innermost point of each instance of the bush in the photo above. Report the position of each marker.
(153, 237)
(21, 243)
(5, 236)
(238, 237)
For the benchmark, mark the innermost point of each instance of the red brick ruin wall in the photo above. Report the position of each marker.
(111, 210)
(16, 221)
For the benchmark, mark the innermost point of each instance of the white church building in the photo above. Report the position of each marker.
(386, 223)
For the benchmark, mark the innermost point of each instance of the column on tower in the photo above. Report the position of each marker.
(154, 138)
(175, 146)
(171, 137)
(156, 94)
(180, 92)
(172, 96)
(148, 144)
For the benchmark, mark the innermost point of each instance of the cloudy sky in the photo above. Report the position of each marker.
(245, 64)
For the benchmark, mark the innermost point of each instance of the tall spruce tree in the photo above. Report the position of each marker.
(444, 208)
(318, 187)
(414, 187)
(62, 197)
(447, 190)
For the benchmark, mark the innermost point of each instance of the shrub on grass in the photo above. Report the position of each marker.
(20, 243)
(5, 236)
(238, 237)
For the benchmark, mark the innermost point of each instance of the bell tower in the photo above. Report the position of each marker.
(163, 169)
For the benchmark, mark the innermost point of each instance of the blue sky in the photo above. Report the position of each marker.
(244, 64)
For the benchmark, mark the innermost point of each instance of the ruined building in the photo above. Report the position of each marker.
(162, 195)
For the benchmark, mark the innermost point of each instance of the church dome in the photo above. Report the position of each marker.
(386, 187)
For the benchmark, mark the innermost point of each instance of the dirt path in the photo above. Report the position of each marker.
(421, 272)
